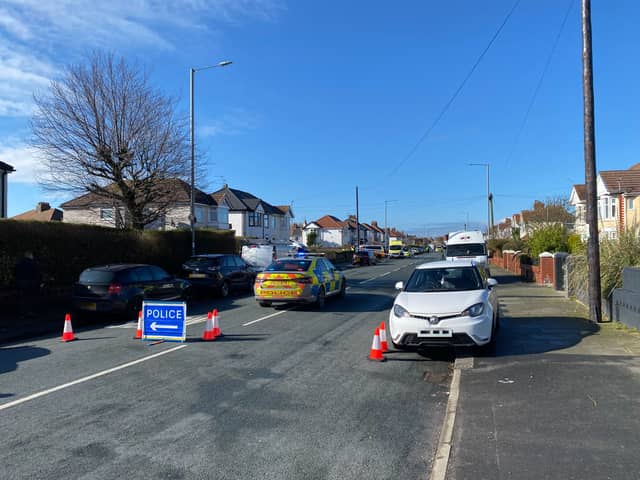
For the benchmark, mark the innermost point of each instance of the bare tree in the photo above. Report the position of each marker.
(103, 129)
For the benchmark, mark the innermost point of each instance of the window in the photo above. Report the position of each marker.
(200, 216)
(613, 208)
(255, 219)
(630, 203)
(106, 214)
(213, 214)
(266, 220)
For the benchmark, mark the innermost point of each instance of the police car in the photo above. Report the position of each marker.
(300, 279)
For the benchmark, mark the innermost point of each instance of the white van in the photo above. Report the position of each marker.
(468, 245)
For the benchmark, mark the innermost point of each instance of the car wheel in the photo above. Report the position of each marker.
(320, 300)
(264, 304)
(225, 289)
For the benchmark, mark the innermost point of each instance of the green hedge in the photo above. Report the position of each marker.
(63, 250)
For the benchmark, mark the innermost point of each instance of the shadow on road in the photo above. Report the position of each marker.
(11, 356)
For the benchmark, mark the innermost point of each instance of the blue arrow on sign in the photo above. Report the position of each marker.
(164, 321)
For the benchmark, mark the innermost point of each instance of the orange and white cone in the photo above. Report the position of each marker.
(208, 329)
(139, 329)
(384, 347)
(216, 326)
(376, 352)
(67, 331)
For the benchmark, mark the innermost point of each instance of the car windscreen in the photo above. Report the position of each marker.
(395, 247)
(444, 279)
(466, 250)
(202, 262)
(289, 266)
(97, 276)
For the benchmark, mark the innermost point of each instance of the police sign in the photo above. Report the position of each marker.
(164, 321)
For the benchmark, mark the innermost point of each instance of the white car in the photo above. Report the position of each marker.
(445, 303)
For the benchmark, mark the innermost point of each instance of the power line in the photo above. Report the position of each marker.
(456, 93)
(540, 80)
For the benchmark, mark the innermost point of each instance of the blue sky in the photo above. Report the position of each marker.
(326, 96)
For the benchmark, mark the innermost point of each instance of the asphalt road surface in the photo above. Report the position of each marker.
(286, 393)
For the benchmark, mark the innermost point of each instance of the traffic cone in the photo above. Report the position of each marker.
(67, 331)
(208, 329)
(383, 338)
(216, 326)
(139, 329)
(376, 352)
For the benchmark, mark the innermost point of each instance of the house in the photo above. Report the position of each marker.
(377, 237)
(5, 170)
(578, 199)
(618, 193)
(504, 229)
(252, 217)
(95, 209)
(42, 213)
(330, 231)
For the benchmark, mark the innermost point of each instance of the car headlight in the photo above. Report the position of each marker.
(474, 310)
(400, 311)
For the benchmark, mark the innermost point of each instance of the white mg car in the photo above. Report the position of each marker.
(445, 303)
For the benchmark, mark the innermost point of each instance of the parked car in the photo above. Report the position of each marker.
(121, 288)
(221, 273)
(445, 303)
(363, 257)
(378, 250)
(302, 279)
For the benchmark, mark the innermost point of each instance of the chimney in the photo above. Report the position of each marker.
(374, 223)
(42, 207)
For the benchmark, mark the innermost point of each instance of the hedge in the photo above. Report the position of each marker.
(63, 250)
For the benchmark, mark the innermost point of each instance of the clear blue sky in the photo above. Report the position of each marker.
(324, 96)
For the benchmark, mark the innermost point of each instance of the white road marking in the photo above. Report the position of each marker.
(441, 462)
(33, 396)
(190, 321)
(264, 318)
(374, 278)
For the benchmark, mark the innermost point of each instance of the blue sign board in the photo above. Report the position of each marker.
(164, 321)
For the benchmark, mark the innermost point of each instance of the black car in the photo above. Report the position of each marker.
(121, 288)
(221, 273)
(362, 257)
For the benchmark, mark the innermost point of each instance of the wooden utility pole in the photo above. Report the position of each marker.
(593, 244)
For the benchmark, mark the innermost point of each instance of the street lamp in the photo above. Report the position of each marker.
(192, 215)
(489, 226)
(386, 230)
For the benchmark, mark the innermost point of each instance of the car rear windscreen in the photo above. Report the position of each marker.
(203, 262)
(466, 250)
(97, 276)
(289, 266)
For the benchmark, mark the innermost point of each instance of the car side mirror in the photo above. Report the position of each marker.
(492, 282)
(399, 286)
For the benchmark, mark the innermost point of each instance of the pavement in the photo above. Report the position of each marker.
(559, 399)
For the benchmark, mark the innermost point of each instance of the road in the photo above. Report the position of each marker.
(286, 393)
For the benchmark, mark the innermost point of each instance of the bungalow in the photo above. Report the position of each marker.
(95, 209)
(5, 170)
(252, 217)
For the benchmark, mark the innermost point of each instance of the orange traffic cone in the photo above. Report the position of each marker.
(139, 329)
(216, 326)
(208, 329)
(383, 338)
(376, 352)
(67, 331)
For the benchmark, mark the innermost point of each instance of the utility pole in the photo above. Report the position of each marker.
(357, 222)
(593, 244)
(386, 230)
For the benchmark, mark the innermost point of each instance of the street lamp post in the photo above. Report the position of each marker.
(489, 226)
(192, 213)
(386, 230)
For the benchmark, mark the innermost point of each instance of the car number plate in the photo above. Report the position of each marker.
(197, 275)
(90, 306)
(435, 332)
